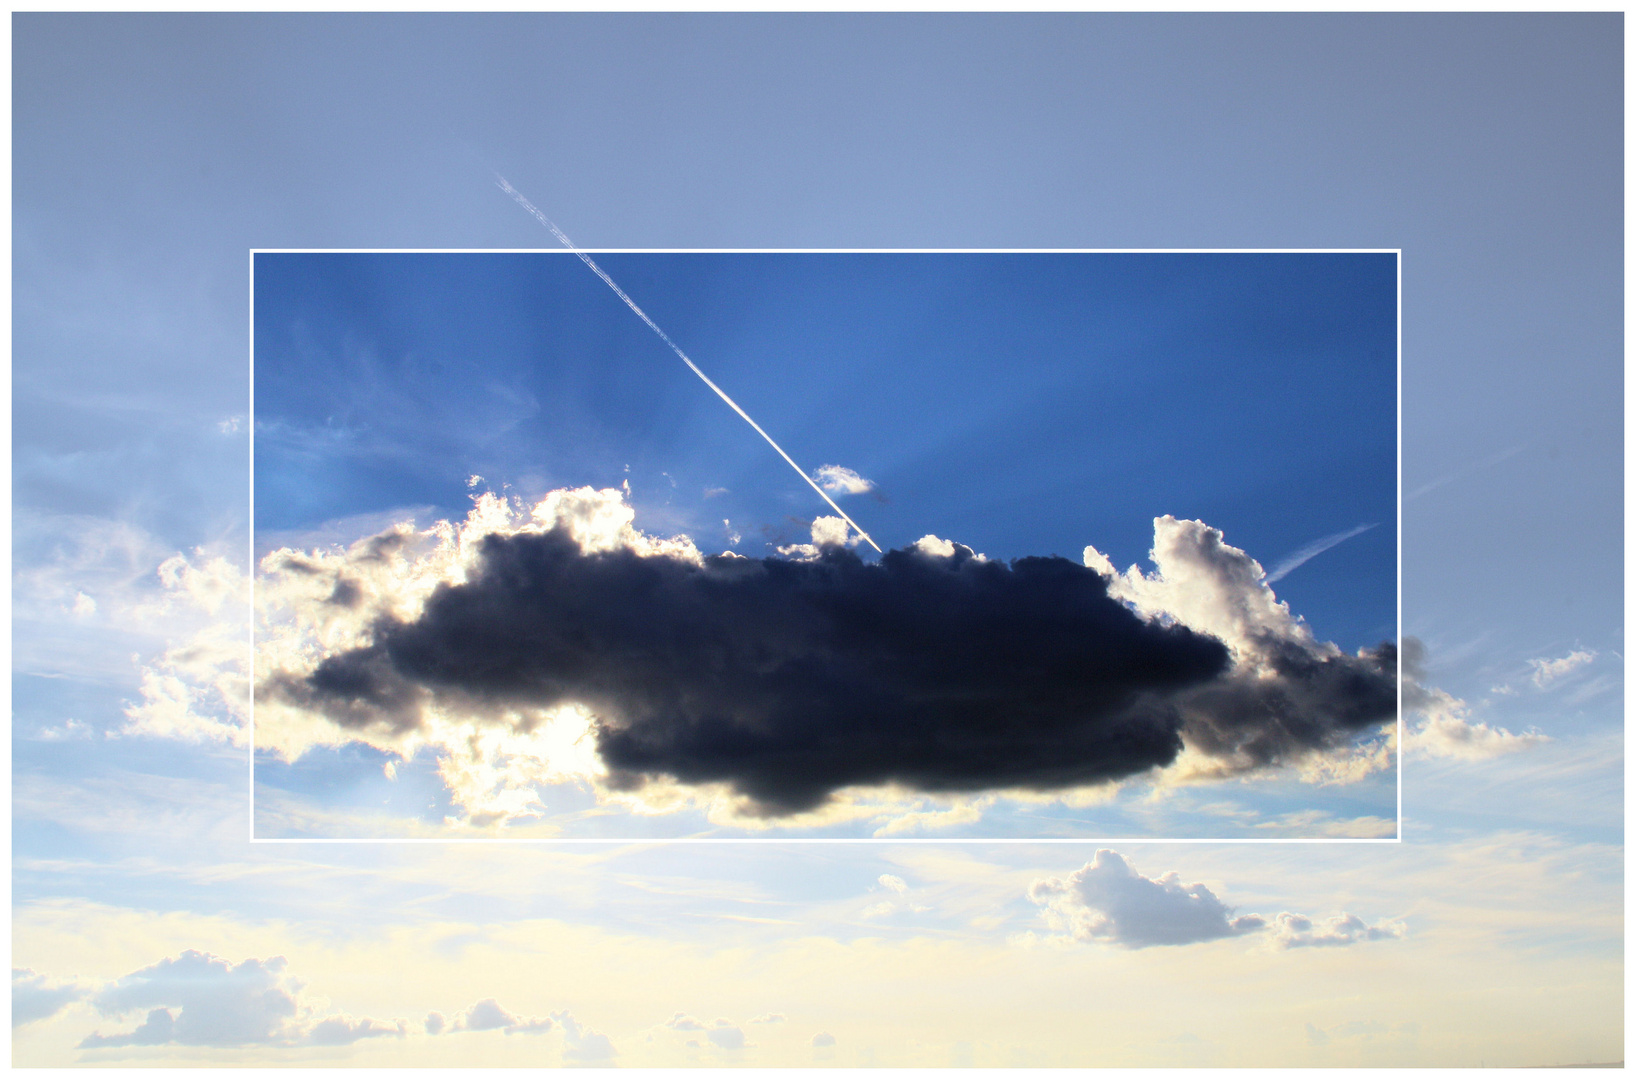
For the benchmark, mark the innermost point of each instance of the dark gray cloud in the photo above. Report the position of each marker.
(788, 680)
(1314, 702)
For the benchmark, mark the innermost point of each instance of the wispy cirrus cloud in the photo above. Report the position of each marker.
(1309, 551)
(1548, 670)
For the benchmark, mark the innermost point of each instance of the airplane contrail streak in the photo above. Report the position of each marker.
(677, 349)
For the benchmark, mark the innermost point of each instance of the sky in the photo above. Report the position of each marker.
(147, 929)
(1015, 403)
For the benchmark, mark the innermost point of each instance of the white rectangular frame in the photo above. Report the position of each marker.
(251, 754)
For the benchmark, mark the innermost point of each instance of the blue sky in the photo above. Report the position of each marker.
(1021, 404)
(1487, 147)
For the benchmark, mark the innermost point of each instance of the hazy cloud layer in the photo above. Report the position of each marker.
(198, 999)
(1107, 900)
(581, 1045)
(35, 997)
(788, 679)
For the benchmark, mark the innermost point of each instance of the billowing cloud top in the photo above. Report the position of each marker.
(786, 680)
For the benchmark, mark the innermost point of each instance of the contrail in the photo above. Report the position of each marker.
(677, 349)
(1317, 547)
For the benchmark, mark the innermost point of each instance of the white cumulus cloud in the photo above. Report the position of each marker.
(841, 480)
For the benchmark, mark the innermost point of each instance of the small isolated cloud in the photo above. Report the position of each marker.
(1548, 671)
(713, 492)
(898, 901)
(487, 1015)
(726, 1036)
(684, 1022)
(581, 1045)
(841, 480)
(473, 480)
(35, 997)
(198, 999)
(69, 729)
(822, 1039)
(1290, 931)
(768, 1018)
(1440, 724)
(230, 425)
(1107, 900)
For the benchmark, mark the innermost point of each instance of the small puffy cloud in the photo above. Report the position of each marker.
(768, 1018)
(898, 901)
(1290, 931)
(198, 999)
(841, 480)
(827, 532)
(1440, 724)
(487, 1015)
(1107, 900)
(35, 997)
(683, 1022)
(726, 1036)
(931, 545)
(823, 1038)
(1547, 671)
(582, 1046)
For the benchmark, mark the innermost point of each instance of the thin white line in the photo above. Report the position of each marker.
(825, 840)
(1401, 733)
(250, 564)
(828, 251)
(677, 349)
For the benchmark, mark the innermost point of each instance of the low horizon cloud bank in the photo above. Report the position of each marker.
(785, 680)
